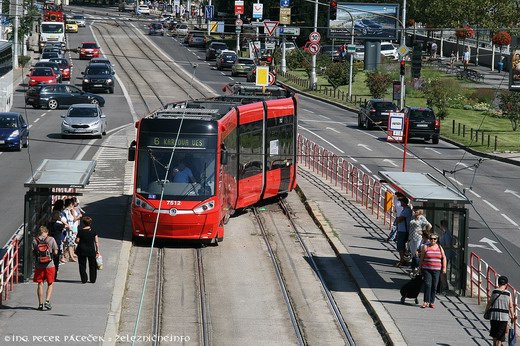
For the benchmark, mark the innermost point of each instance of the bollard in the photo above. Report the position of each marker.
(489, 138)
(471, 134)
(458, 133)
(463, 130)
(496, 140)
(453, 127)
(482, 137)
(476, 135)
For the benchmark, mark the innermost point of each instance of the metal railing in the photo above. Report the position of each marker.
(9, 264)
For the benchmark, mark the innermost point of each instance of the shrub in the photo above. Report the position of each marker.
(457, 101)
(338, 74)
(378, 83)
(481, 106)
(483, 95)
(437, 93)
(510, 107)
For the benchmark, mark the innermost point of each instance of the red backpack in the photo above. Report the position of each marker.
(43, 251)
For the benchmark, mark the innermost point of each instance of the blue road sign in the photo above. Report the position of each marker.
(209, 11)
(285, 3)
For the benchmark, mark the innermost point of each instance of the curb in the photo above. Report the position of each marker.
(383, 321)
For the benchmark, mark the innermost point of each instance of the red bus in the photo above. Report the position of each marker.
(232, 151)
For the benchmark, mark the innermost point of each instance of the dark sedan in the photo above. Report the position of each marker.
(156, 29)
(98, 77)
(54, 96)
(14, 133)
(226, 59)
(214, 49)
(375, 112)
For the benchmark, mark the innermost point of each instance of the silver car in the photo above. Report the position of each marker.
(80, 19)
(84, 120)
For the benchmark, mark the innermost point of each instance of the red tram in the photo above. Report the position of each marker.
(233, 150)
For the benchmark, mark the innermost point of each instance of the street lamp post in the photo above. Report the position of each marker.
(314, 80)
(403, 43)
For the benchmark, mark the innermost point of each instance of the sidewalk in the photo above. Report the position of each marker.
(360, 241)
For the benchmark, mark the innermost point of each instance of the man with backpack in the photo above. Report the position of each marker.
(44, 248)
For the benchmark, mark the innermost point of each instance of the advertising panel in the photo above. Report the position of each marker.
(514, 74)
(369, 21)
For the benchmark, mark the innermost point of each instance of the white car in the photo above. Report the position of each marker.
(182, 30)
(289, 46)
(388, 49)
(84, 120)
(142, 9)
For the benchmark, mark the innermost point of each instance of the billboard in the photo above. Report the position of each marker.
(369, 21)
(514, 72)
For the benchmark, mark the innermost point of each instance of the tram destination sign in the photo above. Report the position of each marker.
(182, 142)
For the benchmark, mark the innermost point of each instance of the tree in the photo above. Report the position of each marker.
(510, 107)
(437, 93)
(338, 74)
(378, 83)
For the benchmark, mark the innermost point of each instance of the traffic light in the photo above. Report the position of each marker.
(416, 60)
(333, 10)
(402, 70)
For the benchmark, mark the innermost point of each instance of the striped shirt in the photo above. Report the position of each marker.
(500, 308)
(432, 258)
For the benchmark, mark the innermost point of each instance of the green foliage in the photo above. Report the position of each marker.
(299, 59)
(438, 94)
(483, 95)
(378, 83)
(23, 60)
(510, 107)
(338, 74)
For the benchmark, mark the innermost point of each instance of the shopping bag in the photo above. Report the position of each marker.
(99, 262)
(512, 334)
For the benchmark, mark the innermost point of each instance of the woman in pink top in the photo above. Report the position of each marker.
(433, 261)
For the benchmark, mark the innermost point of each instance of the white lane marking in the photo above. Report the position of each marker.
(491, 205)
(364, 146)
(394, 146)
(353, 159)
(231, 78)
(222, 73)
(435, 151)
(41, 116)
(29, 126)
(391, 162)
(323, 121)
(306, 110)
(330, 128)
(463, 165)
(91, 142)
(323, 139)
(366, 133)
(489, 242)
(473, 192)
(323, 116)
(36, 120)
(455, 180)
(366, 168)
(508, 219)
(514, 193)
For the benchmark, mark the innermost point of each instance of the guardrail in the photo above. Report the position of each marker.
(366, 189)
(9, 264)
(483, 279)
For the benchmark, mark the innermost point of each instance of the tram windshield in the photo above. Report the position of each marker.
(191, 174)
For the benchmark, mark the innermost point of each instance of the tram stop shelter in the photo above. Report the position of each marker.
(442, 205)
(52, 180)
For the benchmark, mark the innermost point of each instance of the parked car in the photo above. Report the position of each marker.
(65, 67)
(375, 112)
(142, 9)
(88, 50)
(289, 46)
(359, 55)
(156, 29)
(214, 49)
(80, 19)
(55, 67)
(71, 26)
(226, 59)
(84, 119)
(54, 96)
(42, 75)
(388, 49)
(103, 61)
(14, 132)
(422, 123)
(242, 66)
(331, 51)
(98, 77)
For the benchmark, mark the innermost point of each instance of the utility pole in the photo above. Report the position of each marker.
(15, 32)
(314, 79)
(208, 20)
(403, 43)
(284, 61)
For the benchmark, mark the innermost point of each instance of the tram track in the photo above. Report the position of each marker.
(171, 78)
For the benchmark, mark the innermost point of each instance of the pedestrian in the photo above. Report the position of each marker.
(501, 307)
(433, 262)
(71, 224)
(87, 250)
(403, 220)
(434, 50)
(418, 224)
(396, 204)
(56, 228)
(465, 58)
(44, 247)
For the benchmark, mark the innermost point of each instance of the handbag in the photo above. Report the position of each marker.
(99, 262)
(487, 313)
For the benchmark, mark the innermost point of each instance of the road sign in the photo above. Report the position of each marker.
(271, 78)
(209, 11)
(270, 27)
(403, 50)
(239, 22)
(288, 31)
(262, 75)
(314, 48)
(396, 127)
(351, 48)
(239, 7)
(285, 15)
(258, 10)
(285, 3)
(314, 36)
(270, 45)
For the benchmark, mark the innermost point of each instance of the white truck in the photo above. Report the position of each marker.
(52, 32)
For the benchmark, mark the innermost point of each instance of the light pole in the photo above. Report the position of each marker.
(314, 80)
(403, 43)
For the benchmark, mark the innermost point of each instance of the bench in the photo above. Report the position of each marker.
(470, 74)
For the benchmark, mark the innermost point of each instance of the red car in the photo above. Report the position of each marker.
(88, 50)
(65, 67)
(42, 75)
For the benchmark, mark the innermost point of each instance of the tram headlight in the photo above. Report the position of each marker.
(204, 207)
(143, 204)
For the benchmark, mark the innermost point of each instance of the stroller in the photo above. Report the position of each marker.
(411, 289)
